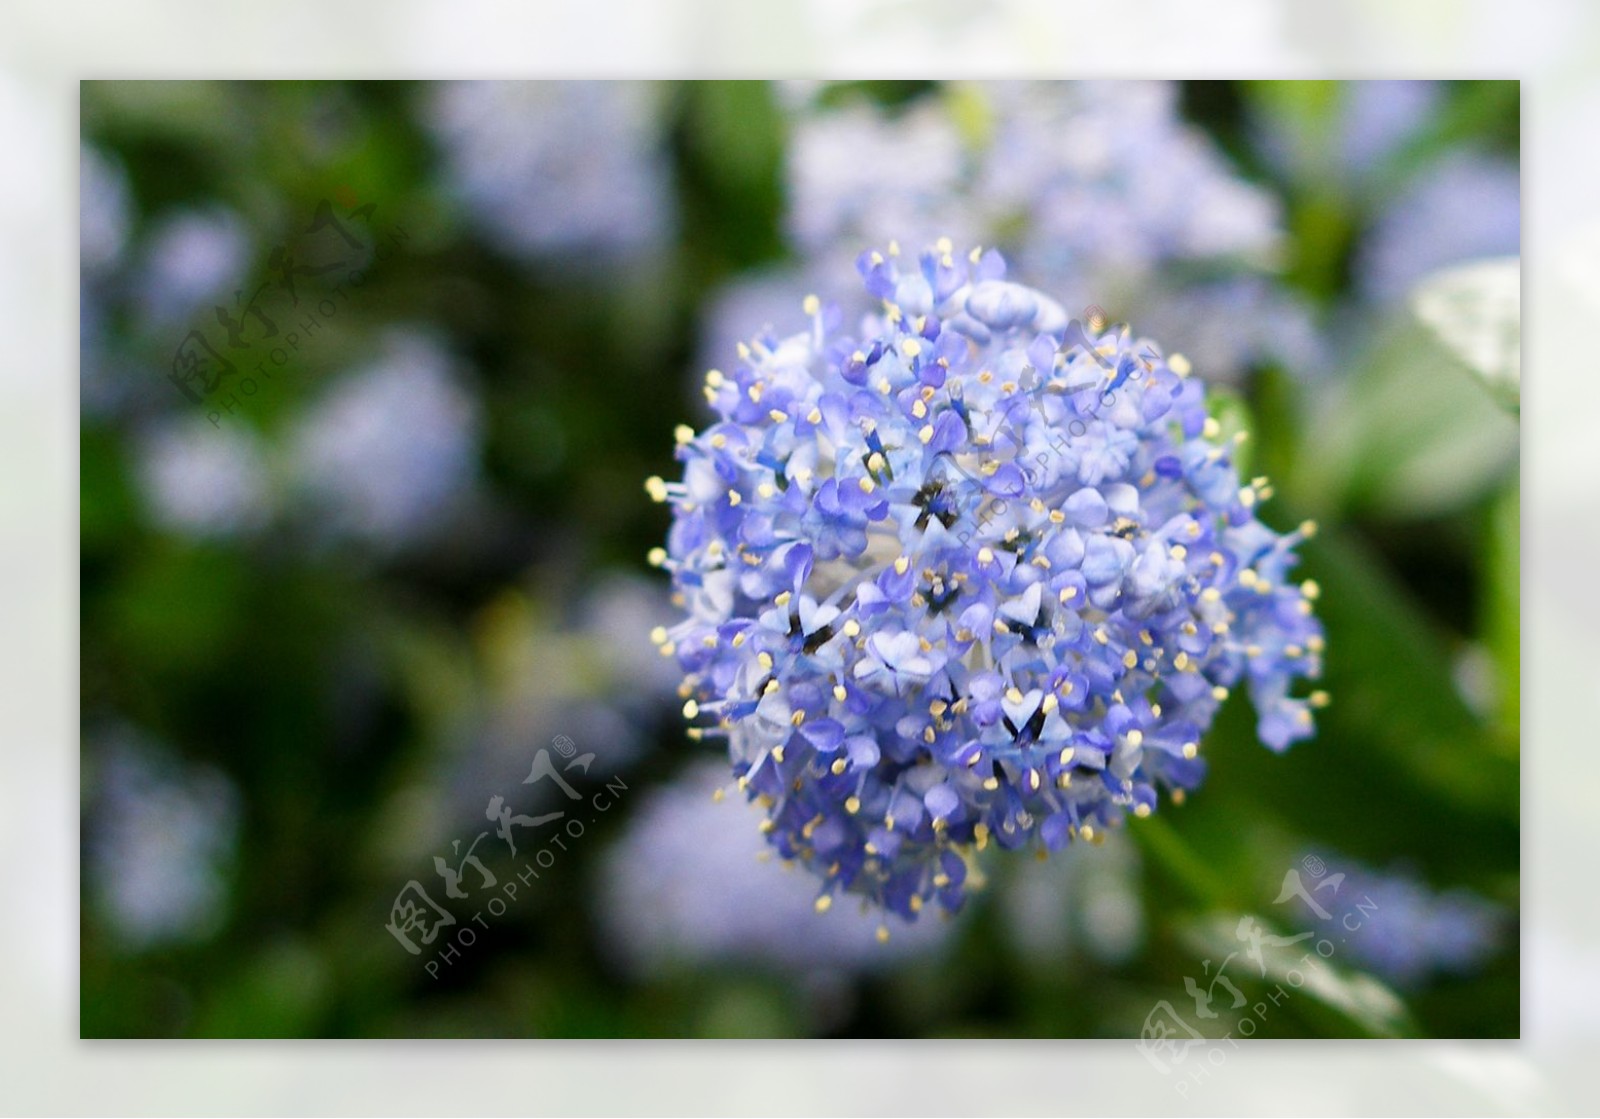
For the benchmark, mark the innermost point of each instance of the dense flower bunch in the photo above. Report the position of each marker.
(983, 573)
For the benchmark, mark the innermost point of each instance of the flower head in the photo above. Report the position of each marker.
(983, 573)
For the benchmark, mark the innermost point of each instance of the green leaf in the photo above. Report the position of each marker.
(1503, 628)
(1406, 436)
(1387, 669)
(279, 993)
(1476, 311)
(1165, 846)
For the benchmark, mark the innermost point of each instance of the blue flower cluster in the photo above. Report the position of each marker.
(984, 573)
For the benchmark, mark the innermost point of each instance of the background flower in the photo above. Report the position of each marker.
(678, 891)
(566, 169)
(389, 450)
(162, 835)
(1412, 933)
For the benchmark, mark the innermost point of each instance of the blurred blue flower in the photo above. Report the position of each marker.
(1411, 932)
(1367, 124)
(390, 452)
(1111, 182)
(912, 187)
(979, 573)
(104, 208)
(191, 259)
(160, 835)
(1235, 323)
(1466, 207)
(558, 168)
(686, 884)
(104, 222)
(1090, 184)
(1378, 118)
(203, 480)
